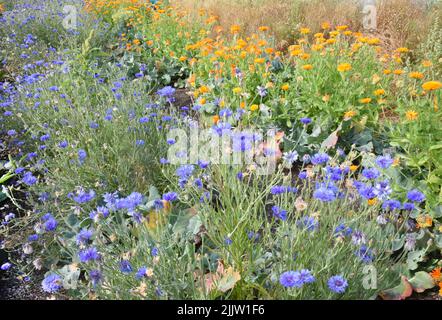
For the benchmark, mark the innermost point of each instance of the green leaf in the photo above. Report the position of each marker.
(400, 292)
(195, 224)
(414, 257)
(421, 281)
(70, 275)
(437, 212)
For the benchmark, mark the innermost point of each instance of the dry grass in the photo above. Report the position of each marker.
(400, 22)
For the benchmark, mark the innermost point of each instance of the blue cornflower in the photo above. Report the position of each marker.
(125, 266)
(81, 155)
(95, 276)
(409, 206)
(415, 195)
(29, 179)
(154, 252)
(228, 241)
(45, 137)
(167, 91)
(391, 205)
(325, 193)
(141, 273)
(6, 266)
(90, 254)
(225, 113)
(33, 237)
(320, 158)
(337, 284)
(290, 279)
(84, 196)
(63, 144)
(305, 120)
(279, 213)
(365, 254)
(84, 236)
(50, 224)
(371, 173)
(307, 222)
(382, 189)
(302, 175)
(170, 196)
(343, 230)
(306, 276)
(52, 283)
(384, 161)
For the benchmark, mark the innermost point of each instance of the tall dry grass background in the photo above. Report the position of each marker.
(400, 22)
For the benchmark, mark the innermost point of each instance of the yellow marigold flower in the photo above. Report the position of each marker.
(285, 86)
(269, 50)
(402, 50)
(204, 89)
(203, 101)
(411, 115)
(237, 90)
(318, 35)
(344, 67)
(342, 28)
(349, 114)
(215, 119)
(416, 75)
(304, 30)
(325, 26)
(440, 289)
(330, 41)
(379, 92)
(398, 72)
(264, 28)
(259, 60)
(1, 8)
(307, 67)
(424, 221)
(182, 58)
(354, 167)
(234, 29)
(427, 63)
(387, 71)
(254, 107)
(374, 41)
(365, 100)
(348, 33)
(372, 202)
(431, 85)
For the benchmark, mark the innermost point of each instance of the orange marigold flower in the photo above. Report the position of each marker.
(365, 100)
(372, 202)
(344, 67)
(307, 67)
(354, 167)
(431, 85)
(398, 72)
(259, 60)
(215, 119)
(387, 71)
(263, 28)
(427, 63)
(436, 274)
(379, 92)
(411, 115)
(235, 29)
(285, 86)
(416, 75)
